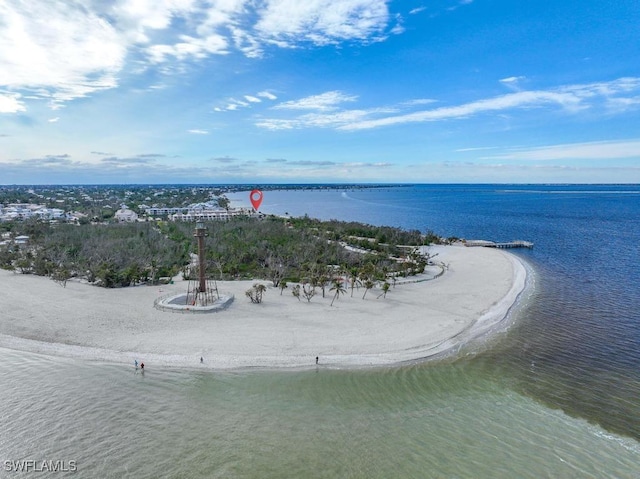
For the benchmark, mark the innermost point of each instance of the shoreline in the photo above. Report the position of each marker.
(415, 322)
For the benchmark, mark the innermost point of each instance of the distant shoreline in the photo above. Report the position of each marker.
(414, 322)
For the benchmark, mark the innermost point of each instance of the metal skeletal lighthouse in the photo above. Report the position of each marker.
(200, 234)
(201, 292)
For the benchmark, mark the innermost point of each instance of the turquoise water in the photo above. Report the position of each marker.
(453, 419)
(554, 396)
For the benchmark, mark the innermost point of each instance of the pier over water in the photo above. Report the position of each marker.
(493, 244)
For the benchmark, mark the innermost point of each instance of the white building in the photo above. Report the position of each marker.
(24, 211)
(218, 214)
(158, 211)
(23, 239)
(125, 215)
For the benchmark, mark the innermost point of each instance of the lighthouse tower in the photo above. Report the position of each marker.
(201, 292)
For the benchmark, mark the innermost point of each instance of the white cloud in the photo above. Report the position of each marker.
(418, 101)
(331, 117)
(623, 104)
(607, 91)
(460, 4)
(214, 26)
(323, 102)
(232, 104)
(143, 15)
(513, 83)
(335, 120)
(267, 95)
(510, 80)
(326, 109)
(59, 50)
(278, 124)
(10, 103)
(321, 22)
(246, 43)
(478, 148)
(189, 48)
(53, 120)
(198, 132)
(250, 101)
(510, 101)
(599, 150)
(368, 165)
(571, 98)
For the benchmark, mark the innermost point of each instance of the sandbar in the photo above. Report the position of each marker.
(415, 321)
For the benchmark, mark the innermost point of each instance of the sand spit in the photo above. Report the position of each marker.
(414, 321)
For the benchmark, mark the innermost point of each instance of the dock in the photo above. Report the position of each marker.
(493, 244)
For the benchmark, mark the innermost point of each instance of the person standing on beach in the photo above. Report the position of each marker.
(316, 359)
(142, 366)
(135, 363)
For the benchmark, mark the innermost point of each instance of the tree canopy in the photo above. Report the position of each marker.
(272, 248)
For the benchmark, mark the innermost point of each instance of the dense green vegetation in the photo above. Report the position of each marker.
(110, 255)
(295, 250)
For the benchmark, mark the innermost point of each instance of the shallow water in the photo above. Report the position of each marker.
(446, 420)
(554, 396)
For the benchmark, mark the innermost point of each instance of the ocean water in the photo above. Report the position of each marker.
(557, 395)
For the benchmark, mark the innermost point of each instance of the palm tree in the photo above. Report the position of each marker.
(324, 277)
(353, 275)
(339, 289)
(385, 289)
(368, 284)
(384, 272)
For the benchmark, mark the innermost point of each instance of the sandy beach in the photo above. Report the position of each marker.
(415, 321)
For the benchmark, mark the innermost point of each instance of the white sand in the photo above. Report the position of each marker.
(414, 321)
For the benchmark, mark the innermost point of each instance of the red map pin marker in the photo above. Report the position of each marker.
(256, 199)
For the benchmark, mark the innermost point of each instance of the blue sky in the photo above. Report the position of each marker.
(286, 91)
